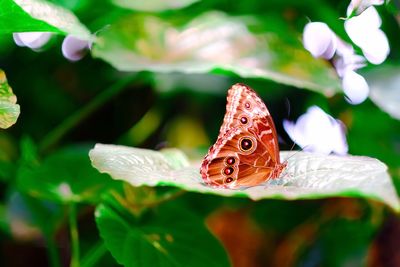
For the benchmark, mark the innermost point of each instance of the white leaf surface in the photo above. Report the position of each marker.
(210, 42)
(153, 5)
(56, 16)
(307, 176)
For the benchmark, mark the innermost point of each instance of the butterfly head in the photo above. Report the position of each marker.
(279, 169)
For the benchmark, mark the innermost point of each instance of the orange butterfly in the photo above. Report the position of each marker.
(246, 152)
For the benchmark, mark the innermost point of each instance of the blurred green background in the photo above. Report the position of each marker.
(138, 88)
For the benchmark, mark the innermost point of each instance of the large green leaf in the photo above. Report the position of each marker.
(385, 91)
(171, 237)
(355, 249)
(307, 176)
(66, 176)
(39, 15)
(154, 5)
(211, 42)
(9, 110)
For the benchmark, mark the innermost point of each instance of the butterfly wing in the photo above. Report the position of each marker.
(246, 117)
(240, 158)
(245, 109)
(243, 106)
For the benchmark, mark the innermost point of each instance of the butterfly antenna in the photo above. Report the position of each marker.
(286, 160)
(294, 144)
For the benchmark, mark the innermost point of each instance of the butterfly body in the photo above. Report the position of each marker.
(246, 152)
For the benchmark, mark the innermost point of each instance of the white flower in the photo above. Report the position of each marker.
(355, 87)
(364, 31)
(323, 42)
(346, 59)
(74, 48)
(317, 131)
(319, 40)
(33, 40)
(360, 5)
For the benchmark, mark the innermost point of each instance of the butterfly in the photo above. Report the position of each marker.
(246, 152)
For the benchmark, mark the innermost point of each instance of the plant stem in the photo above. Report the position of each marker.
(52, 252)
(72, 121)
(94, 255)
(73, 227)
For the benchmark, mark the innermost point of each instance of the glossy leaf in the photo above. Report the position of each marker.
(153, 5)
(211, 42)
(66, 176)
(171, 237)
(307, 176)
(9, 110)
(39, 16)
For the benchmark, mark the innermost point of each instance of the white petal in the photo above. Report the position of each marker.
(18, 40)
(377, 49)
(375, 2)
(348, 62)
(295, 133)
(364, 31)
(73, 48)
(29, 37)
(34, 40)
(355, 87)
(331, 49)
(40, 42)
(319, 40)
(370, 18)
(343, 48)
(361, 5)
(339, 143)
(359, 28)
(317, 131)
(353, 5)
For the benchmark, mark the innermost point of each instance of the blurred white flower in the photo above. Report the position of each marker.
(360, 5)
(319, 40)
(323, 42)
(74, 48)
(355, 87)
(317, 131)
(33, 40)
(364, 31)
(346, 58)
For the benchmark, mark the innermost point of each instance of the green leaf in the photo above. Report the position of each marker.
(6, 171)
(66, 176)
(355, 249)
(9, 110)
(307, 176)
(4, 220)
(385, 90)
(211, 42)
(154, 5)
(39, 15)
(171, 237)
(372, 132)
